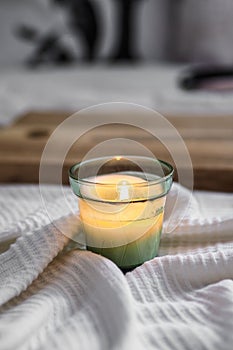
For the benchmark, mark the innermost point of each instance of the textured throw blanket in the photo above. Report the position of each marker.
(54, 297)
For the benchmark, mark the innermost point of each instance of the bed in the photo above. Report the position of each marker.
(55, 295)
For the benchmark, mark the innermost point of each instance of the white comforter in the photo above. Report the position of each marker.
(81, 86)
(75, 299)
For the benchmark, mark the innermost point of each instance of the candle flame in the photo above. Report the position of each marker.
(123, 190)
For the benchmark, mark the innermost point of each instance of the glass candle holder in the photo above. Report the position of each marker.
(121, 206)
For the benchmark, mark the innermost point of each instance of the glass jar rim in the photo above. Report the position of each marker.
(149, 182)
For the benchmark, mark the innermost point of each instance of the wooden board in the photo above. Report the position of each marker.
(209, 141)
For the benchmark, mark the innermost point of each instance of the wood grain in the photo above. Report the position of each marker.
(209, 141)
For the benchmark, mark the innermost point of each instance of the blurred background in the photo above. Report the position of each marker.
(65, 31)
(73, 53)
(58, 56)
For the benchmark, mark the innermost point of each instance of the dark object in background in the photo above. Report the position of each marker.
(83, 24)
(213, 78)
(83, 20)
(125, 27)
(48, 48)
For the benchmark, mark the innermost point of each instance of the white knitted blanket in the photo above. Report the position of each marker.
(52, 298)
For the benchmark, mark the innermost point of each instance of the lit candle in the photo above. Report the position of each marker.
(122, 216)
(121, 228)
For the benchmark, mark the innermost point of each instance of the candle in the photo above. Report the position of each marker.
(122, 215)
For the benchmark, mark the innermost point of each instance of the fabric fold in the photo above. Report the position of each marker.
(54, 297)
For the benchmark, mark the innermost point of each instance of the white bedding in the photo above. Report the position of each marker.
(179, 300)
(80, 86)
